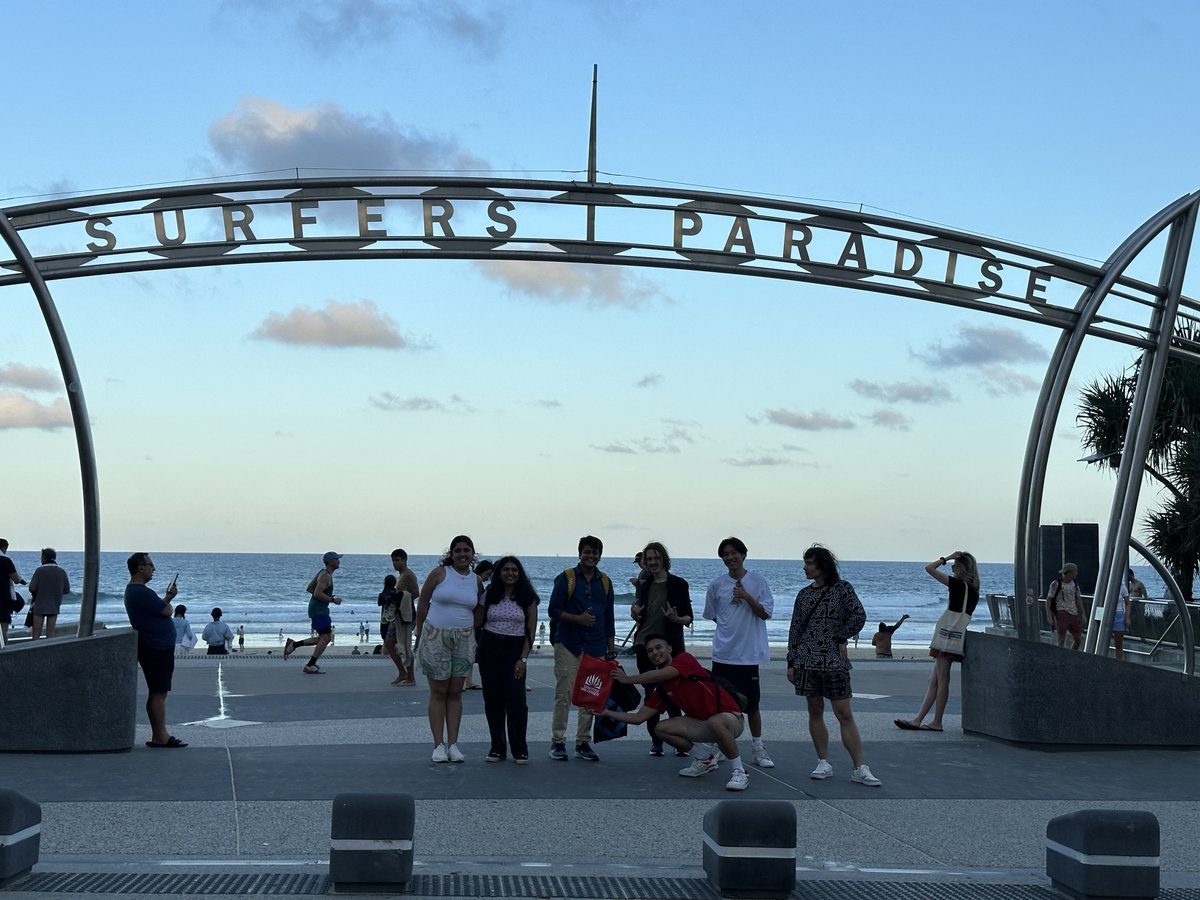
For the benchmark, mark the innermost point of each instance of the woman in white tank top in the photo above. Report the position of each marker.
(445, 628)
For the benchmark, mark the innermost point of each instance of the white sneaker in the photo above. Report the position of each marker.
(822, 771)
(719, 756)
(439, 753)
(862, 775)
(738, 781)
(762, 760)
(699, 767)
(455, 754)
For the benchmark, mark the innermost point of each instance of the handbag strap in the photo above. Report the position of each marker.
(808, 618)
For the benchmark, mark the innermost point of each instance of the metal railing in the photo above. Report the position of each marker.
(1151, 626)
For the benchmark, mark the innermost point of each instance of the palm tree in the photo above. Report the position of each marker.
(1173, 531)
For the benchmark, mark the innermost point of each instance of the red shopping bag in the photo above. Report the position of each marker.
(593, 683)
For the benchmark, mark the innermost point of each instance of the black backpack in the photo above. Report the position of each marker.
(1052, 598)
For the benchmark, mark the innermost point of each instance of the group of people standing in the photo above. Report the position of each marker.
(47, 586)
(460, 618)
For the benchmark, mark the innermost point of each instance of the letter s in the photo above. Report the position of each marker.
(109, 240)
(500, 218)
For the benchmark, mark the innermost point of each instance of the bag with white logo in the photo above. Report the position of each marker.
(593, 683)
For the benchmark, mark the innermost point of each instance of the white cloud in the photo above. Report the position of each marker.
(337, 325)
(32, 378)
(669, 442)
(334, 25)
(19, 411)
(980, 345)
(391, 403)
(889, 418)
(815, 421)
(612, 448)
(263, 135)
(911, 391)
(1001, 381)
(591, 285)
(758, 461)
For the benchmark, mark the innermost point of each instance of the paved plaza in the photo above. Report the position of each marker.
(270, 748)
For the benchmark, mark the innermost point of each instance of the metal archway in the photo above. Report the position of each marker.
(282, 220)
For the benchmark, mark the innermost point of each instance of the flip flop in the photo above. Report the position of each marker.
(173, 743)
(929, 728)
(905, 725)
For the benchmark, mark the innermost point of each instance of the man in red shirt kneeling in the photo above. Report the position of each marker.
(711, 713)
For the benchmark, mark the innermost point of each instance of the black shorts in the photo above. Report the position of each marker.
(832, 684)
(744, 678)
(157, 666)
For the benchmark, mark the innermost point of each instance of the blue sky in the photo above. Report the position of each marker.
(364, 405)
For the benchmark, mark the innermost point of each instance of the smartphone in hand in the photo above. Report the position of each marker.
(173, 580)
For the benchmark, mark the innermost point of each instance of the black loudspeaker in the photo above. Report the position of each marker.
(1081, 545)
(1050, 556)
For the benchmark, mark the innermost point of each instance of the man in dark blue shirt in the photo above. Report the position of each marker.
(581, 621)
(150, 616)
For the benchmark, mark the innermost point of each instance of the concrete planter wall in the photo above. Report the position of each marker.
(70, 695)
(1034, 693)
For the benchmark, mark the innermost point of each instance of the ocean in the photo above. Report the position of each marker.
(264, 592)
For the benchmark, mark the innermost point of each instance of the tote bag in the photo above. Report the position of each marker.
(950, 632)
(593, 683)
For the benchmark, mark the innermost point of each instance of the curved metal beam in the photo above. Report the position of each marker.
(1054, 386)
(1185, 618)
(83, 427)
(1139, 431)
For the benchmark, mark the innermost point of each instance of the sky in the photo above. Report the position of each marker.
(363, 405)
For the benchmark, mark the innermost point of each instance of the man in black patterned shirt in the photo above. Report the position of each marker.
(827, 614)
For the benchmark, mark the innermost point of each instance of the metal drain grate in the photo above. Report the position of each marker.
(96, 883)
(574, 887)
(542, 887)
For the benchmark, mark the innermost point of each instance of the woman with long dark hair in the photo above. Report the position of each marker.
(445, 627)
(661, 606)
(963, 585)
(508, 619)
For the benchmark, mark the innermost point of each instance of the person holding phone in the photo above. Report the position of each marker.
(150, 616)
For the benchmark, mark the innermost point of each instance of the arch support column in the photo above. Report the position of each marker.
(79, 417)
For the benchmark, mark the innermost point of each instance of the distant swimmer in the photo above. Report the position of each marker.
(321, 588)
(882, 639)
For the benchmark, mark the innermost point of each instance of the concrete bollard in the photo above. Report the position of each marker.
(20, 834)
(750, 848)
(1104, 853)
(371, 841)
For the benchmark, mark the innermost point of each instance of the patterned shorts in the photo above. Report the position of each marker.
(446, 652)
(832, 684)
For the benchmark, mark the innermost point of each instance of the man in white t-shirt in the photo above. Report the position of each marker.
(739, 604)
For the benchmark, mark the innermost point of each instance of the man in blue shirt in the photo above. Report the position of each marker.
(150, 616)
(581, 621)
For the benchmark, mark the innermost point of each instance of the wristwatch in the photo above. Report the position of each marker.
(523, 659)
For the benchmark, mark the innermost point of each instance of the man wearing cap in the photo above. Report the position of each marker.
(321, 588)
(1064, 606)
